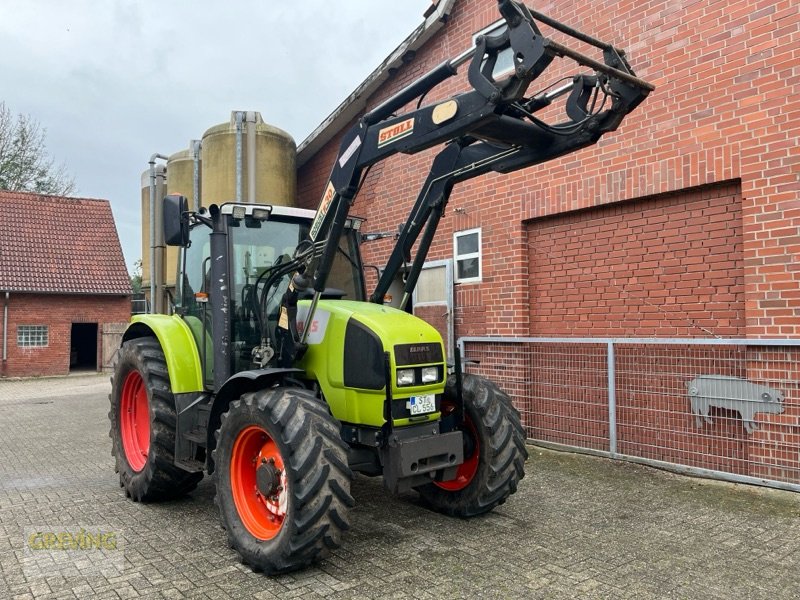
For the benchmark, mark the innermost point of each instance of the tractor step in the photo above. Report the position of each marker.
(190, 465)
(193, 411)
(198, 436)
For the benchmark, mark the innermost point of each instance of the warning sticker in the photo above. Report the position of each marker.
(283, 321)
(351, 149)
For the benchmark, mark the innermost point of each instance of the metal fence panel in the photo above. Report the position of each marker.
(724, 408)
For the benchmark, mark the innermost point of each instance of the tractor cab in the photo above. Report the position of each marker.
(259, 239)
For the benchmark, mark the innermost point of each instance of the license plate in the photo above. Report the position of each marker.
(419, 405)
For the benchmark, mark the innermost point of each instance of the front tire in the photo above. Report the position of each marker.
(282, 479)
(494, 453)
(143, 425)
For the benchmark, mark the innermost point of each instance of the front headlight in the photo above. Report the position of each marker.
(430, 374)
(405, 377)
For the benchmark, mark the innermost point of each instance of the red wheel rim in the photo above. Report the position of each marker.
(134, 421)
(467, 469)
(261, 515)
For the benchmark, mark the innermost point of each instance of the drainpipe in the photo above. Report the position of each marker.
(196, 145)
(251, 157)
(239, 118)
(153, 228)
(161, 248)
(5, 329)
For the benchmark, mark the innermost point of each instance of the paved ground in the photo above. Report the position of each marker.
(579, 527)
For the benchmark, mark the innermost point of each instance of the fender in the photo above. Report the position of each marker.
(180, 349)
(236, 385)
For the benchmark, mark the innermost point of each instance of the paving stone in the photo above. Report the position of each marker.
(578, 527)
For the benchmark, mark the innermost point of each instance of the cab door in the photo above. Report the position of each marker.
(192, 295)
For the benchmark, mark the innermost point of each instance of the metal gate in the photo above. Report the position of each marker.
(721, 408)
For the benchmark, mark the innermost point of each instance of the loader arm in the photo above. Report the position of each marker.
(493, 127)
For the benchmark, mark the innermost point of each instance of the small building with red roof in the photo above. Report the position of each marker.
(64, 288)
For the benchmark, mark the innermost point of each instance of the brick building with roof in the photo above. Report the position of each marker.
(684, 223)
(64, 287)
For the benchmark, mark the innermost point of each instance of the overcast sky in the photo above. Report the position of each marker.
(114, 81)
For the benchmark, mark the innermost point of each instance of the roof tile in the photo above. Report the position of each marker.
(51, 244)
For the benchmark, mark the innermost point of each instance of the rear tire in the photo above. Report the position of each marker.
(143, 425)
(282, 479)
(494, 453)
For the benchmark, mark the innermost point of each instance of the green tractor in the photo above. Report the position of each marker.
(279, 376)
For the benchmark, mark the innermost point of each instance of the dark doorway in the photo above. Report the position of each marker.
(83, 347)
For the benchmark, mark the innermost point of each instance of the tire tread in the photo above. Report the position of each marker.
(504, 449)
(160, 479)
(319, 480)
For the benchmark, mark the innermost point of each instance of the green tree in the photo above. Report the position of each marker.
(136, 278)
(25, 165)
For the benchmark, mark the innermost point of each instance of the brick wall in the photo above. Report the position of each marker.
(685, 222)
(58, 312)
(667, 266)
(727, 107)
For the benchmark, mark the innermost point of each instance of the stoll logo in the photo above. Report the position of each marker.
(395, 132)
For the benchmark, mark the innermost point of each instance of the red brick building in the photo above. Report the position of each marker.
(685, 222)
(64, 287)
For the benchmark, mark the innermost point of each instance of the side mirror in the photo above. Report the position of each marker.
(176, 220)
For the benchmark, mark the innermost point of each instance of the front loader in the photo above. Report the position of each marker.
(279, 376)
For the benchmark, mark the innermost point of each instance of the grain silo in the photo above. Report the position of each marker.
(265, 156)
(160, 191)
(180, 180)
(243, 159)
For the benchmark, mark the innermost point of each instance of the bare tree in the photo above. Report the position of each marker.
(25, 165)
(136, 278)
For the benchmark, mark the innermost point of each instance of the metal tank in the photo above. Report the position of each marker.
(247, 160)
(244, 159)
(160, 192)
(180, 180)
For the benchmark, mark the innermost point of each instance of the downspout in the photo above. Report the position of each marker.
(153, 228)
(239, 116)
(251, 157)
(5, 330)
(196, 145)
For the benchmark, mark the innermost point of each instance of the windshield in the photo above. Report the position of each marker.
(258, 246)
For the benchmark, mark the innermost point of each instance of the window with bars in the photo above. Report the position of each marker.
(467, 251)
(32, 336)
